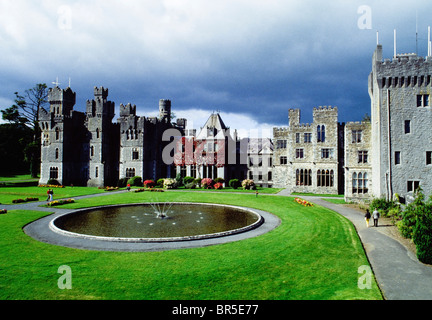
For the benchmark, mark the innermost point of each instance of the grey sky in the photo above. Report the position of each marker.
(252, 60)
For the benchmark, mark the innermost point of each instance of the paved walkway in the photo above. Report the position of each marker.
(397, 270)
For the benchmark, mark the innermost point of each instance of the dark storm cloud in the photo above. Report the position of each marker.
(251, 60)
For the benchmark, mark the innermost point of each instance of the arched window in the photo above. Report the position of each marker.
(297, 177)
(56, 153)
(91, 151)
(57, 133)
(97, 133)
(365, 183)
(321, 133)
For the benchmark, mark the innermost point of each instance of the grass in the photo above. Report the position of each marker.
(317, 195)
(314, 254)
(8, 194)
(229, 189)
(336, 201)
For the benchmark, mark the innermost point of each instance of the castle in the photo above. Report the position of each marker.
(388, 155)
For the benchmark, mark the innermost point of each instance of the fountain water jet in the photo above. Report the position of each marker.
(161, 210)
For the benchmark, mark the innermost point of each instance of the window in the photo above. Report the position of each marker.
(325, 178)
(362, 157)
(97, 172)
(357, 136)
(281, 144)
(130, 172)
(54, 173)
(297, 137)
(194, 171)
(407, 126)
(56, 153)
(321, 133)
(413, 186)
(303, 177)
(135, 154)
(326, 153)
(270, 176)
(397, 157)
(57, 133)
(428, 157)
(97, 133)
(422, 100)
(91, 151)
(283, 160)
(299, 154)
(307, 137)
(360, 183)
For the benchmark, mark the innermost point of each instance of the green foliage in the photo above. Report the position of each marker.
(135, 181)
(190, 185)
(122, 182)
(187, 180)
(409, 215)
(53, 182)
(219, 180)
(160, 183)
(234, 183)
(179, 180)
(422, 233)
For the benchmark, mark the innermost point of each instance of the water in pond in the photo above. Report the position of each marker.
(182, 220)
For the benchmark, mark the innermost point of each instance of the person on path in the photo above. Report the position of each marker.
(367, 217)
(128, 187)
(375, 216)
(48, 195)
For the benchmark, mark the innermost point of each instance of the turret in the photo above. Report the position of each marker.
(165, 110)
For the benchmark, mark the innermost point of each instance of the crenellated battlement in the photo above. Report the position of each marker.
(101, 92)
(127, 110)
(325, 109)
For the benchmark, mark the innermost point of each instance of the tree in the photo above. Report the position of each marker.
(26, 111)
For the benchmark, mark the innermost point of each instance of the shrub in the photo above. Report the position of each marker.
(53, 182)
(60, 202)
(135, 181)
(160, 183)
(409, 216)
(219, 180)
(170, 183)
(218, 186)
(149, 184)
(248, 184)
(234, 183)
(207, 183)
(179, 180)
(122, 182)
(190, 185)
(383, 206)
(3, 211)
(422, 233)
(187, 180)
(197, 181)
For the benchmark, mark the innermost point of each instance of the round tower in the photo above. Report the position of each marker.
(165, 110)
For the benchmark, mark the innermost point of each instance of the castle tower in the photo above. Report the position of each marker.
(59, 137)
(165, 110)
(102, 170)
(400, 91)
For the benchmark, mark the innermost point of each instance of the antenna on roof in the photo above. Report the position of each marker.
(429, 42)
(69, 82)
(394, 43)
(416, 32)
(56, 82)
(377, 37)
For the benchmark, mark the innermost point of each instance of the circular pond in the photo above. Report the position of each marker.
(157, 222)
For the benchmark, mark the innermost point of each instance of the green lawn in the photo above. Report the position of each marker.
(317, 195)
(314, 254)
(8, 194)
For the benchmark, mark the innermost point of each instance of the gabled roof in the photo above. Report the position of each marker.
(213, 125)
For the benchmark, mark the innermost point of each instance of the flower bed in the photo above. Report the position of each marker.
(151, 190)
(60, 202)
(3, 211)
(25, 200)
(111, 188)
(303, 202)
(50, 186)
